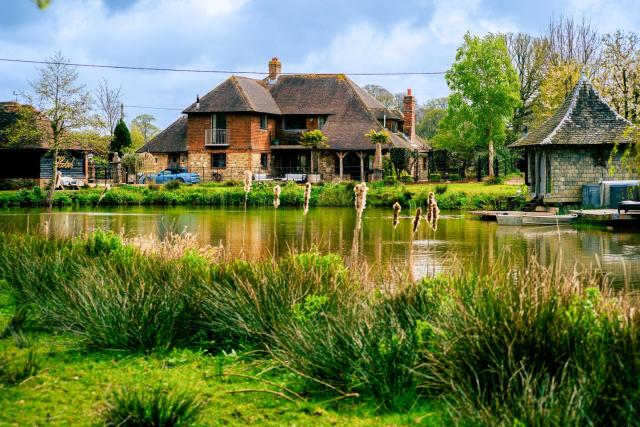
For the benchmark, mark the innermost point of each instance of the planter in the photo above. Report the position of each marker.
(314, 178)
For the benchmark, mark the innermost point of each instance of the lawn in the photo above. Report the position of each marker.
(73, 386)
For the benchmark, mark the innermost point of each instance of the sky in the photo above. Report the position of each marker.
(328, 36)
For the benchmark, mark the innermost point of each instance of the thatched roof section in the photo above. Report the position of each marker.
(235, 95)
(584, 118)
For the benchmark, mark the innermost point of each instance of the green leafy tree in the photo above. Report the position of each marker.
(485, 93)
(63, 102)
(121, 141)
(313, 139)
(25, 127)
(433, 111)
(144, 123)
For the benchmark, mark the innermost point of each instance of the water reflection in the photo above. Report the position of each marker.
(258, 233)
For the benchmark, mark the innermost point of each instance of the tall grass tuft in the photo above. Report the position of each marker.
(155, 407)
(15, 370)
(433, 212)
(531, 346)
(416, 219)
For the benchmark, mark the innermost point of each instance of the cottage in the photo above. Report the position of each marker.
(31, 160)
(573, 147)
(248, 124)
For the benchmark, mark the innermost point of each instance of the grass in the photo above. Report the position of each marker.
(316, 340)
(457, 196)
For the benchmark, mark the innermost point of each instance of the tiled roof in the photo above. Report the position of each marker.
(236, 94)
(171, 140)
(584, 118)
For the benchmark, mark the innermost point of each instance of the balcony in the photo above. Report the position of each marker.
(289, 136)
(216, 138)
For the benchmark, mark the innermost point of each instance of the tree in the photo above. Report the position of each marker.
(530, 57)
(433, 111)
(313, 139)
(144, 123)
(618, 77)
(25, 127)
(109, 104)
(121, 141)
(485, 93)
(554, 89)
(64, 102)
(572, 41)
(385, 97)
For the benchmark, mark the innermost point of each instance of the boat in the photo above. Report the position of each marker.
(511, 219)
(548, 219)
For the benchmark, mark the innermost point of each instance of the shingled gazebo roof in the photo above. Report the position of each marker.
(584, 118)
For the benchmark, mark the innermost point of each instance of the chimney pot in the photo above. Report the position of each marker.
(197, 101)
(409, 92)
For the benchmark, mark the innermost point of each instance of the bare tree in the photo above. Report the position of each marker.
(618, 78)
(572, 41)
(529, 56)
(64, 102)
(109, 103)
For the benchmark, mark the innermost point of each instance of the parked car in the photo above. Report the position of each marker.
(175, 174)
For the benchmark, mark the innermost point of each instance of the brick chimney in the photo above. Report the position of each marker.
(275, 68)
(409, 111)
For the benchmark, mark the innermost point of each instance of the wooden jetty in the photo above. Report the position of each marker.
(492, 215)
(609, 216)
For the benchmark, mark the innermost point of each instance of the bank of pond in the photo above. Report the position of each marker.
(450, 196)
(158, 329)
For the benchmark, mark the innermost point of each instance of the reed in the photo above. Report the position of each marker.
(307, 198)
(248, 179)
(416, 219)
(433, 212)
(360, 191)
(396, 214)
(276, 196)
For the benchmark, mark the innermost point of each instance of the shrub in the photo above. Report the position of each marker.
(454, 177)
(435, 177)
(496, 180)
(440, 189)
(173, 185)
(155, 407)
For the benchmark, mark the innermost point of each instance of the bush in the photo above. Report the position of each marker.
(454, 177)
(496, 180)
(173, 185)
(155, 407)
(440, 189)
(17, 183)
(435, 177)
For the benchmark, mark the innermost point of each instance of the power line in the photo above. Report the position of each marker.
(192, 70)
(154, 108)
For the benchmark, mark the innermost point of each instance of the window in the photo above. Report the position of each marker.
(321, 121)
(218, 121)
(218, 160)
(295, 122)
(264, 160)
(263, 121)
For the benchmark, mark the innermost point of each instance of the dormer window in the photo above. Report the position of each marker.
(321, 121)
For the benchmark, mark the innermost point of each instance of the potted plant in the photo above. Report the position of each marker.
(313, 139)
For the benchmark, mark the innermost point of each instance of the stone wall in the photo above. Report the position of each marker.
(573, 167)
(327, 165)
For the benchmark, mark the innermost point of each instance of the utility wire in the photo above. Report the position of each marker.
(154, 108)
(192, 70)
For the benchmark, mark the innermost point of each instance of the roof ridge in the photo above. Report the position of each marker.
(244, 95)
(584, 81)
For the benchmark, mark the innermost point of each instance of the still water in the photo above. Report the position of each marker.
(259, 233)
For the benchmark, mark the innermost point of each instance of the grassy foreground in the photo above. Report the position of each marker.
(98, 330)
(450, 196)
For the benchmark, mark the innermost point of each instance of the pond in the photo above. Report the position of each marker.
(259, 233)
